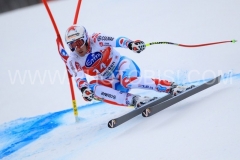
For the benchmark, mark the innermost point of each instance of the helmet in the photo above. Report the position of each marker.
(76, 36)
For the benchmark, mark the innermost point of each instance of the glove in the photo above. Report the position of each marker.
(87, 94)
(137, 46)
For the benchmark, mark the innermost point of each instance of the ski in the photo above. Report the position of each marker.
(153, 109)
(120, 120)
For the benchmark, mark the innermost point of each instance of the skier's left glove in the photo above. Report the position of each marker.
(137, 46)
(87, 94)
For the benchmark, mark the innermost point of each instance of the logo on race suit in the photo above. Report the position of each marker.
(73, 69)
(78, 67)
(101, 44)
(161, 88)
(63, 52)
(105, 38)
(127, 101)
(93, 59)
(95, 37)
(108, 95)
(104, 44)
(109, 70)
(145, 86)
(99, 38)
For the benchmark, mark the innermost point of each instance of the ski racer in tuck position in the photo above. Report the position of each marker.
(115, 74)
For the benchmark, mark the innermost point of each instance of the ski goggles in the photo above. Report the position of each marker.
(77, 43)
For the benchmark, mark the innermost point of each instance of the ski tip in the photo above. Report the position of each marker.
(214, 80)
(218, 78)
(234, 41)
(112, 123)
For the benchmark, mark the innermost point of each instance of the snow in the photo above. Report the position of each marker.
(37, 120)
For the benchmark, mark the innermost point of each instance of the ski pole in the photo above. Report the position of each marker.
(77, 11)
(195, 45)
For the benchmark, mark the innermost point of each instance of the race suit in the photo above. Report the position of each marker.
(114, 74)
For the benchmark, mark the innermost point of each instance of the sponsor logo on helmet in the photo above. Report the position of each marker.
(93, 59)
(73, 37)
(76, 34)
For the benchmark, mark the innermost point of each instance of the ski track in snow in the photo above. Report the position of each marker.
(93, 124)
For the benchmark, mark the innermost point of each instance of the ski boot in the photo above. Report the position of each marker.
(138, 101)
(177, 89)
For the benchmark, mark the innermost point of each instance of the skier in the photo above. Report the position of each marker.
(115, 74)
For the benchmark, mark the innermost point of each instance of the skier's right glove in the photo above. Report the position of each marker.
(87, 94)
(137, 46)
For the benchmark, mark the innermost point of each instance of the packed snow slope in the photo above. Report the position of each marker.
(37, 121)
